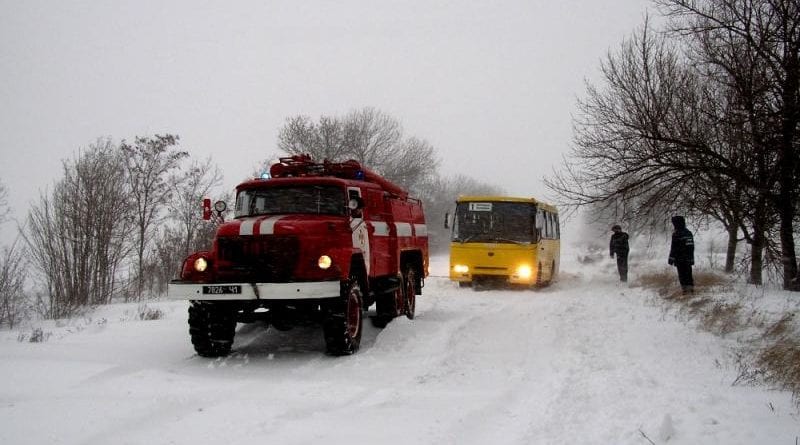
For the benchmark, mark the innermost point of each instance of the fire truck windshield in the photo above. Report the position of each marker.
(510, 222)
(314, 199)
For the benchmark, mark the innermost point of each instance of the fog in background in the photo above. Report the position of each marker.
(491, 85)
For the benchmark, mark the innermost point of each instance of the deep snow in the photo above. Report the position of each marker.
(588, 360)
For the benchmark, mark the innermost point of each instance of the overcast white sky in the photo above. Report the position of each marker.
(490, 84)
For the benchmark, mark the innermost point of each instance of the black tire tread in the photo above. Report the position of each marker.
(211, 328)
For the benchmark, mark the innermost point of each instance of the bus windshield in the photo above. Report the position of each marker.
(314, 199)
(495, 222)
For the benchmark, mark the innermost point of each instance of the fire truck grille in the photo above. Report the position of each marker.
(258, 259)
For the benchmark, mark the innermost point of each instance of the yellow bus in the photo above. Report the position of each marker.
(504, 240)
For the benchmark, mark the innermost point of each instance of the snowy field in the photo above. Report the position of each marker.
(585, 361)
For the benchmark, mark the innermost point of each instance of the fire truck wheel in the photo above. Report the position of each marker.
(387, 305)
(409, 292)
(343, 321)
(211, 328)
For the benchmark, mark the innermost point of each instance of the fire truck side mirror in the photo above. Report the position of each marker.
(355, 204)
(220, 208)
(206, 209)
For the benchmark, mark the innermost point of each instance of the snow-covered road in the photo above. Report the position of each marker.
(586, 360)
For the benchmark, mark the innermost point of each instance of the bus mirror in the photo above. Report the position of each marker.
(446, 220)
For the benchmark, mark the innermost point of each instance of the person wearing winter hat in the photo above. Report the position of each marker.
(681, 253)
(619, 246)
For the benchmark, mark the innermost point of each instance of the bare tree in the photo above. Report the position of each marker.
(4, 208)
(184, 230)
(164, 260)
(369, 136)
(13, 273)
(740, 38)
(149, 162)
(323, 141)
(196, 182)
(412, 164)
(664, 136)
(76, 235)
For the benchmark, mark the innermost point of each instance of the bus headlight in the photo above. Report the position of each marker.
(460, 268)
(200, 264)
(324, 262)
(524, 272)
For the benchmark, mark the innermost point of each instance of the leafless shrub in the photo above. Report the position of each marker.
(148, 313)
(13, 272)
(781, 327)
(781, 364)
(76, 236)
(705, 279)
(662, 282)
(698, 305)
(722, 318)
(37, 335)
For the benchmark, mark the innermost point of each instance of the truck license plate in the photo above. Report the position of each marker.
(222, 289)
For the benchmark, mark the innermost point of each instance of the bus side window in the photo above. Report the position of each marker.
(539, 224)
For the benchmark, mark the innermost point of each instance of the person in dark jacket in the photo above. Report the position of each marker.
(619, 246)
(681, 253)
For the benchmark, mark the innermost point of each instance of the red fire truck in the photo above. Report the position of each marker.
(314, 242)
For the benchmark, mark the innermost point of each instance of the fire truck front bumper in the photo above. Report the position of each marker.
(182, 290)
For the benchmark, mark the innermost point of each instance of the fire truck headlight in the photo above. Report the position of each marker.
(200, 264)
(324, 262)
(460, 268)
(524, 271)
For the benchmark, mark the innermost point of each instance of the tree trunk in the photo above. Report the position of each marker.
(788, 161)
(757, 250)
(730, 255)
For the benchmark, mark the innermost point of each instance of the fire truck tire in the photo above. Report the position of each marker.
(388, 304)
(410, 292)
(211, 328)
(343, 320)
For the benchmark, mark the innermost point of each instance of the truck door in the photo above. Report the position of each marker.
(359, 228)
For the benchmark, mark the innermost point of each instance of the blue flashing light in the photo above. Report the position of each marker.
(360, 174)
(265, 175)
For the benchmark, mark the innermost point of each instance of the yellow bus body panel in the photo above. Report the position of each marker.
(500, 260)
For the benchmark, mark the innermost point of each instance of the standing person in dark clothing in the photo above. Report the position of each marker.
(619, 246)
(681, 253)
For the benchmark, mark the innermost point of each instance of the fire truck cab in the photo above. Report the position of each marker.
(314, 242)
